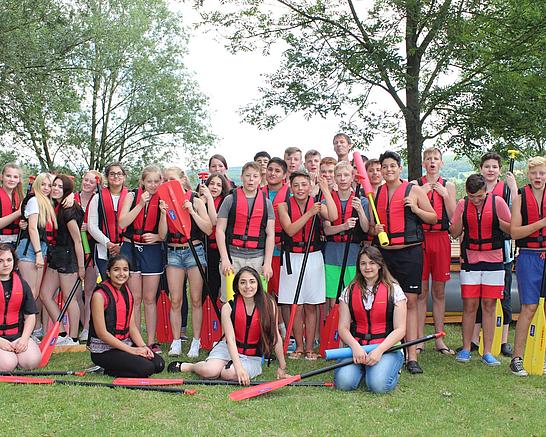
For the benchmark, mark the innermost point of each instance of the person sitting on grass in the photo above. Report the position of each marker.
(115, 341)
(17, 317)
(372, 310)
(250, 326)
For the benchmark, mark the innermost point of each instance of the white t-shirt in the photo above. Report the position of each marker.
(398, 295)
(93, 224)
(31, 207)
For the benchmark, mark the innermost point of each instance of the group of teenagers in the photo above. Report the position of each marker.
(261, 231)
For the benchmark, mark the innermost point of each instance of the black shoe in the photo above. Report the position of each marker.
(174, 367)
(413, 367)
(506, 349)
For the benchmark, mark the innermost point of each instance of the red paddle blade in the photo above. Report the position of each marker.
(163, 322)
(174, 195)
(257, 390)
(48, 344)
(211, 329)
(146, 381)
(26, 380)
(329, 336)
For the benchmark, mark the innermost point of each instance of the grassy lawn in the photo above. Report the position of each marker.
(448, 399)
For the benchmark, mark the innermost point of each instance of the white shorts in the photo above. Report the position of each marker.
(313, 288)
(253, 365)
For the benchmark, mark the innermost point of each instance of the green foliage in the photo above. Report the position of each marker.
(99, 81)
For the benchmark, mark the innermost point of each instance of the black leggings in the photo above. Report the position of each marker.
(123, 364)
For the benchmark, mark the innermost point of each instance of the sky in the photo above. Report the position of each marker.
(232, 81)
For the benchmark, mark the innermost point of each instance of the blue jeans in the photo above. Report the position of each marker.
(381, 378)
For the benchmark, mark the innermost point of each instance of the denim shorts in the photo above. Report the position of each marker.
(182, 258)
(146, 259)
(26, 246)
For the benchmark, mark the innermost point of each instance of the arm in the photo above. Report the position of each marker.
(211, 209)
(456, 228)
(279, 352)
(200, 216)
(359, 355)
(517, 231)
(221, 225)
(504, 215)
(74, 230)
(420, 205)
(449, 195)
(128, 215)
(286, 222)
(21, 344)
(35, 239)
(362, 217)
(229, 332)
(93, 222)
(269, 246)
(163, 227)
(10, 218)
(328, 211)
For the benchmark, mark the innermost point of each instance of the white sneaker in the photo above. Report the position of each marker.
(194, 348)
(38, 333)
(176, 348)
(67, 341)
(84, 335)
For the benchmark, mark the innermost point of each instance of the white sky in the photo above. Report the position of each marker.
(232, 81)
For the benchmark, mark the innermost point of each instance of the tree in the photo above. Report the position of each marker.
(120, 92)
(340, 58)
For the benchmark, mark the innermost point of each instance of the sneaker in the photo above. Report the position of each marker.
(155, 348)
(490, 360)
(35, 339)
(413, 367)
(292, 345)
(506, 349)
(38, 333)
(67, 341)
(176, 348)
(183, 338)
(463, 356)
(194, 348)
(84, 335)
(516, 366)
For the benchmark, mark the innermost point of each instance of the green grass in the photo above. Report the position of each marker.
(448, 399)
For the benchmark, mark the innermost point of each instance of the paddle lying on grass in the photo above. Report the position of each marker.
(267, 387)
(29, 380)
(84, 372)
(362, 178)
(294, 306)
(533, 358)
(173, 381)
(174, 195)
(50, 339)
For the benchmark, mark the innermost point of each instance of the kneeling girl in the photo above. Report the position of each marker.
(372, 310)
(249, 323)
(115, 342)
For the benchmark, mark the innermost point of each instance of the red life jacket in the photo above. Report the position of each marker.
(147, 220)
(11, 316)
(402, 225)
(247, 328)
(342, 216)
(481, 231)
(8, 206)
(281, 196)
(175, 237)
(212, 237)
(499, 189)
(298, 241)
(117, 313)
(531, 212)
(50, 232)
(439, 206)
(247, 228)
(371, 326)
(109, 225)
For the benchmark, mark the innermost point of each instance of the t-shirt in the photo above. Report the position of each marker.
(93, 224)
(31, 207)
(64, 216)
(28, 305)
(490, 256)
(368, 296)
(240, 252)
(272, 194)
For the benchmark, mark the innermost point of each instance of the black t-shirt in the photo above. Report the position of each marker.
(28, 305)
(75, 212)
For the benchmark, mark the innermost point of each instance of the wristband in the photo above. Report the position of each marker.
(37, 251)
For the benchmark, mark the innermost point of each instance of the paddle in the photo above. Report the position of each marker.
(294, 306)
(84, 372)
(171, 192)
(497, 333)
(329, 337)
(29, 380)
(362, 176)
(163, 323)
(29, 189)
(533, 358)
(171, 381)
(50, 339)
(251, 392)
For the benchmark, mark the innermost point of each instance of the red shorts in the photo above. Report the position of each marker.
(436, 256)
(485, 280)
(273, 284)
